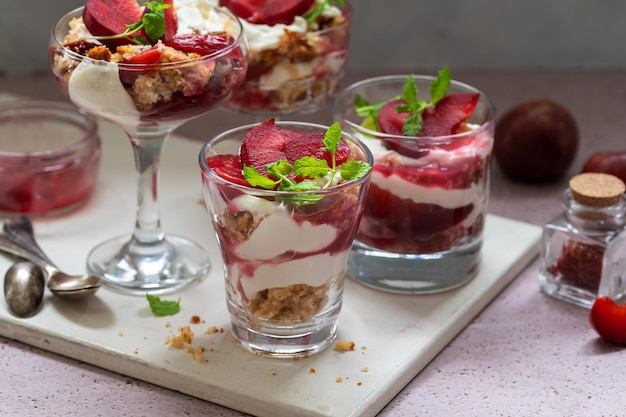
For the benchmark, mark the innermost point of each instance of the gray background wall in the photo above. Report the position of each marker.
(405, 34)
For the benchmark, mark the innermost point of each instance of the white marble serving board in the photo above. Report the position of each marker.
(395, 335)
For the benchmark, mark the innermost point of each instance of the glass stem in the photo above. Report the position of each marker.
(147, 151)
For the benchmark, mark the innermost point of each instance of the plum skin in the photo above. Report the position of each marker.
(536, 141)
(607, 162)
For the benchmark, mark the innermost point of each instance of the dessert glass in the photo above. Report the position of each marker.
(49, 157)
(296, 75)
(422, 227)
(284, 265)
(148, 260)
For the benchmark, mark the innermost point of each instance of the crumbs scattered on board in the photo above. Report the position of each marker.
(347, 346)
(184, 339)
(344, 345)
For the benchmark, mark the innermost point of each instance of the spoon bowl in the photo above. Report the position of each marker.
(72, 286)
(24, 284)
(19, 240)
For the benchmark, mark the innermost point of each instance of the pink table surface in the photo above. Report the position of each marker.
(524, 355)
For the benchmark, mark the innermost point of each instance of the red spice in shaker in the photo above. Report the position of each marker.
(575, 243)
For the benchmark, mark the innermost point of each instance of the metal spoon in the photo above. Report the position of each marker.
(19, 240)
(24, 284)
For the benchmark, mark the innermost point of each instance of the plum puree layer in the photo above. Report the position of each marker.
(428, 204)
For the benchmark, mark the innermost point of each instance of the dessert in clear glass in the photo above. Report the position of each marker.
(422, 227)
(148, 82)
(49, 157)
(298, 50)
(284, 241)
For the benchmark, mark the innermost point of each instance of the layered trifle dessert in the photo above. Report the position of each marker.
(432, 141)
(298, 50)
(162, 61)
(285, 207)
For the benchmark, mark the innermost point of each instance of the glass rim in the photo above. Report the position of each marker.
(400, 78)
(207, 150)
(49, 111)
(64, 20)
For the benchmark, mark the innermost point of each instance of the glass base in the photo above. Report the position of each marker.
(281, 341)
(566, 292)
(414, 273)
(131, 268)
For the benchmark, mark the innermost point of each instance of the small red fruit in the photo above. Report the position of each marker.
(609, 319)
(312, 144)
(444, 119)
(171, 22)
(262, 145)
(110, 17)
(200, 44)
(147, 57)
(607, 162)
(448, 115)
(269, 12)
(228, 167)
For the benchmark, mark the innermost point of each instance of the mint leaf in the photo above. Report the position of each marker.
(307, 167)
(352, 170)
(409, 93)
(365, 109)
(310, 167)
(413, 123)
(279, 169)
(154, 25)
(332, 138)
(439, 87)
(306, 185)
(163, 307)
(313, 14)
(257, 180)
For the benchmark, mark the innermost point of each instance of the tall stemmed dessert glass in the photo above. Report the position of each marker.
(298, 51)
(148, 84)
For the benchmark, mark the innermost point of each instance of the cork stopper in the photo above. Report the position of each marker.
(594, 189)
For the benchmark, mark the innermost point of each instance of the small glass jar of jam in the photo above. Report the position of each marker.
(49, 157)
(581, 246)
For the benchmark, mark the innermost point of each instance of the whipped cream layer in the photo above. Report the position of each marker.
(96, 87)
(200, 17)
(278, 233)
(275, 254)
(312, 270)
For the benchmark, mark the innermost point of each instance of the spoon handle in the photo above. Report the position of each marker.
(7, 245)
(21, 232)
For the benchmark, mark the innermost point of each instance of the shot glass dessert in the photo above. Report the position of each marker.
(285, 199)
(432, 141)
(297, 53)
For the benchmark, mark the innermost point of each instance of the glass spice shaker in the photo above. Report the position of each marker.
(586, 244)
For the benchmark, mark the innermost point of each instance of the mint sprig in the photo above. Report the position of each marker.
(152, 22)
(314, 13)
(310, 168)
(413, 123)
(163, 307)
